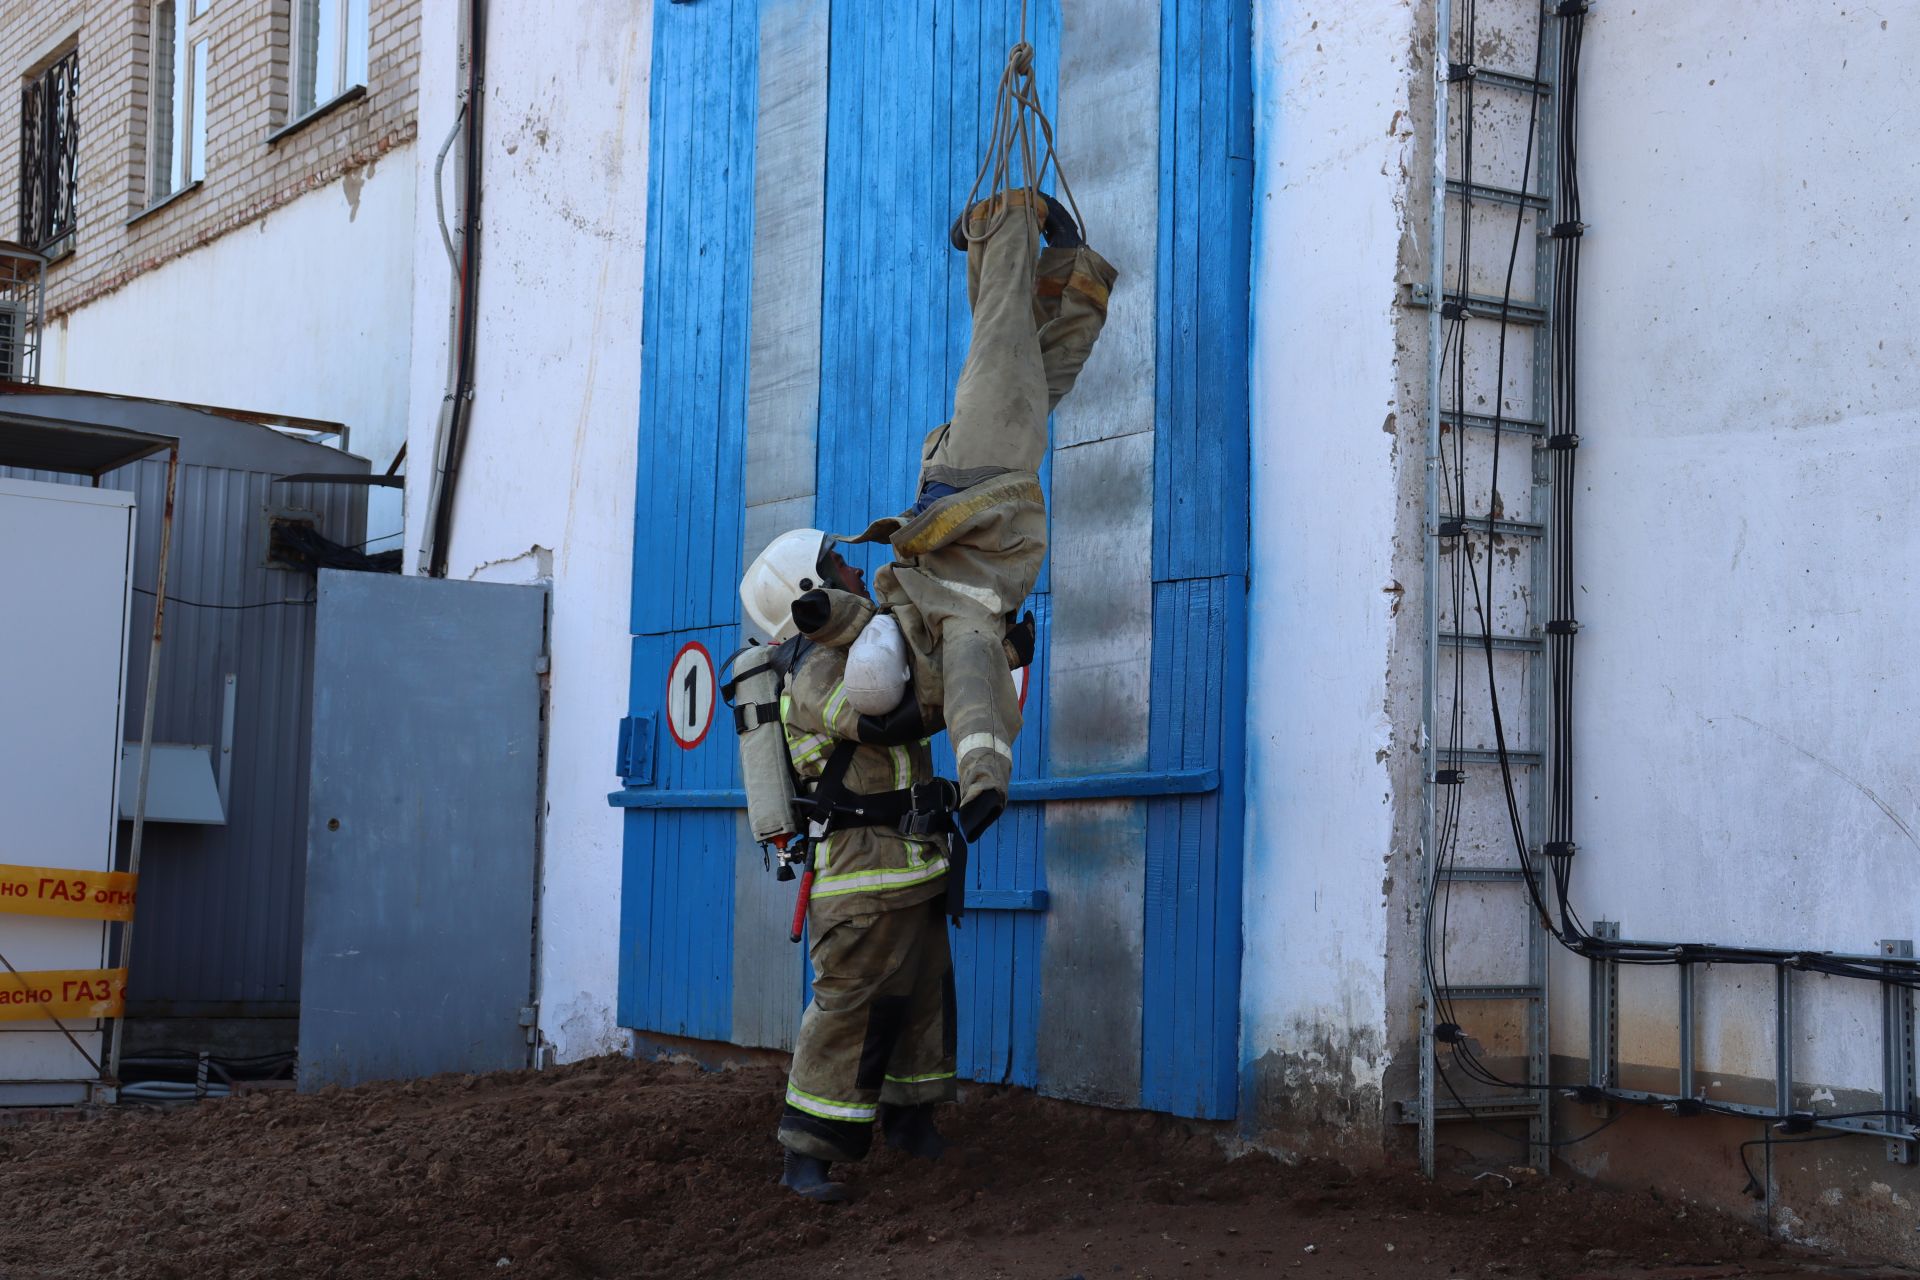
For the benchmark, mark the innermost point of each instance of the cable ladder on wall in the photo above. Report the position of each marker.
(1525, 326)
(1465, 524)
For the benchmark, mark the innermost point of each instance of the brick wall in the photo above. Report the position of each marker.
(248, 92)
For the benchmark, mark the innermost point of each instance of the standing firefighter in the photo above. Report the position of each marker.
(862, 689)
(877, 1041)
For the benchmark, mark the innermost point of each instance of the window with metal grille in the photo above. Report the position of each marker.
(50, 155)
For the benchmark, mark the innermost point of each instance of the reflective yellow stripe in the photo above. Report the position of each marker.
(874, 881)
(827, 1108)
(820, 855)
(937, 1075)
(804, 748)
(836, 702)
(902, 779)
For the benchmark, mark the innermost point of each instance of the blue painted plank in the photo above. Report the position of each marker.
(1201, 463)
(677, 899)
(1190, 1017)
(688, 509)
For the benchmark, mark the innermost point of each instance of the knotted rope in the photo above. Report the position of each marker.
(1016, 110)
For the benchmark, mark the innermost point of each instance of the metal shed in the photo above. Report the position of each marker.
(220, 900)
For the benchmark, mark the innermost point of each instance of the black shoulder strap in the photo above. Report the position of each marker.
(783, 658)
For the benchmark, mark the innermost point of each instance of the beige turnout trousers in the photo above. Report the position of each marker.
(879, 1029)
(964, 564)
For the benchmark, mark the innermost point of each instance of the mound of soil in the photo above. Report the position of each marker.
(618, 1168)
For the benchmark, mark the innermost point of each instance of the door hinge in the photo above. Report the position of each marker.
(530, 1020)
(634, 760)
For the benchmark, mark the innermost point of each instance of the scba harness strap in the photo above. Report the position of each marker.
(920, 811)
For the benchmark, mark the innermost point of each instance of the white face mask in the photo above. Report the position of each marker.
(877, 673)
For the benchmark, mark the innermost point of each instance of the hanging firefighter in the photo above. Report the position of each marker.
(970, 548)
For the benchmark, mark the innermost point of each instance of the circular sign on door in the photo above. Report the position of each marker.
(1022, 678)
(690, 695)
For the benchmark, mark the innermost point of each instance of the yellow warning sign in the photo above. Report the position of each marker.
(62, 993)
(64, 892)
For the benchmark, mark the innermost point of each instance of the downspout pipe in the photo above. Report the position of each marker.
(146, 739)
(458, 412)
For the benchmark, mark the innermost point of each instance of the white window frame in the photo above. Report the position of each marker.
(180, 46)
(338, 55)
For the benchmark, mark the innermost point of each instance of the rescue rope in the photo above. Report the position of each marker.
(1016, 110)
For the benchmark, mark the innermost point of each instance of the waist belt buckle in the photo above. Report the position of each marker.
(929, 808)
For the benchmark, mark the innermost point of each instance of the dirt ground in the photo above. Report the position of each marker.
(615, 1168)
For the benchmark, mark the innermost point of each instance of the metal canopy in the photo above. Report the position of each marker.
(38, 444)
(366, 481)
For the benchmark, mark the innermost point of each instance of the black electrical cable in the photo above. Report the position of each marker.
(1464, 573)
(258, 604)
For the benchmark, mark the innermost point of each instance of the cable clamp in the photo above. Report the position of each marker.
(1560, 848)
(1687, 1107)
(1567, 230)
(1563, 627)
(1449, 1033)
(1451, 529)
(1570, 8)
(1449, 777)
(1590, 1095)
(1453, 311)
(1568, 441)
(1798, 1122)
(1457, 71)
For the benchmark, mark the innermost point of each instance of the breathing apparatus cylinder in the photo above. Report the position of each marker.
(754, 695)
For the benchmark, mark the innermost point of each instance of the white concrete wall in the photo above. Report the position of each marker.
(547, 488)
(306, 312)
(1749, 518)
(1333, 136)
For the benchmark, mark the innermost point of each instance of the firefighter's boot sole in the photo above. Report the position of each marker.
(911, 1129)
(807, 1176)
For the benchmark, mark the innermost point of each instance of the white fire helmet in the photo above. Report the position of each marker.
(785, 571)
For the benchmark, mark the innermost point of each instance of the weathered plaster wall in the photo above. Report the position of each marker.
(547, 491)
(294, 329)
(1334, 140)
(1748, 516)
(1745, 704)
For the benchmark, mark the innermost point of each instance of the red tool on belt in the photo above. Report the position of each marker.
(800, 850)
(805, 895)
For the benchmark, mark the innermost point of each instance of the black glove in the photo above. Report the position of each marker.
(1019, 642)
(901, 725)
(811, 611)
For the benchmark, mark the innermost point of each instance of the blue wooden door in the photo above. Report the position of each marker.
(801, 339)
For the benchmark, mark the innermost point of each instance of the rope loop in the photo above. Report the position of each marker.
(1016, 110)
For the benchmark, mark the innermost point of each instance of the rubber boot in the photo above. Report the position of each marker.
(910, 1129)
(957, 235)
(807, 1176)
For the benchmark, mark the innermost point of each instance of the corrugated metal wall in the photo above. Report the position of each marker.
(220, 906)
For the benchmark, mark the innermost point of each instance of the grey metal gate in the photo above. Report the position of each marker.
(417, 956)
